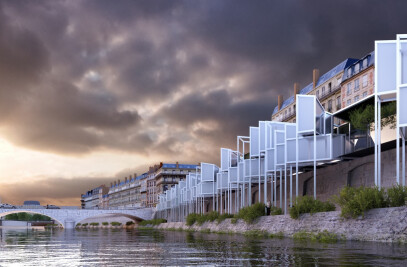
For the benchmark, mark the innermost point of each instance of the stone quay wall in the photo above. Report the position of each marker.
(383, 225)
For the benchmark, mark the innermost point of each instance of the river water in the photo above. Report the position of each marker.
(105, 247)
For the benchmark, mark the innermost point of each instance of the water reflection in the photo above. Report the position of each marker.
(105, 247)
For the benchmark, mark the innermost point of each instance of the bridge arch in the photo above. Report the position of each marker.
(131, 217)
(14, 211)
(69, 217)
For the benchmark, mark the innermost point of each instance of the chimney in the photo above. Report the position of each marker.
(315, 77)
(280, 101)
(125, 180)
(296, 89)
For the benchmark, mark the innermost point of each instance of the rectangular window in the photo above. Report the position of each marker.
(330, 105)
(348, 102)
(356, 98)
(364, 80)
(317, 93)
(323, 90)
(349, 90)
(338, 103)
(365, 63)
(364, 94)
(356, 85)
(357, 67)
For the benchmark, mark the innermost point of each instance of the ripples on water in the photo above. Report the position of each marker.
(107, 247)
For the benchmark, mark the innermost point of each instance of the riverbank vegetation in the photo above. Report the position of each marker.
(307, 204)
(322, 237)
(152, 222)
(251, 213)
(354, 202)
(248, 214)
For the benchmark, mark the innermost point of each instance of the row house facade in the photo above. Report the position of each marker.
(347, 83)
(358, 81)
(93, 199)
(138, 191)
(327, 88)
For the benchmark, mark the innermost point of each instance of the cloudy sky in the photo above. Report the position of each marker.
(92, 91)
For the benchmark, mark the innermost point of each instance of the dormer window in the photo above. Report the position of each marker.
(349, 72)
(357, 68)
(365, 63)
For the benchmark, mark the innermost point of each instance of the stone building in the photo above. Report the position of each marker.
(137, 191)
(358, 80)
(93, 199)
(327, 88)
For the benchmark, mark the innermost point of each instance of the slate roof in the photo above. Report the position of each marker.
(370, 62)
(325, 77)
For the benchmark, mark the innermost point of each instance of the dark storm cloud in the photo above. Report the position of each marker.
(156, 77)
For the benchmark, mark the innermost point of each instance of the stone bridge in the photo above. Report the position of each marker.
(69, 217)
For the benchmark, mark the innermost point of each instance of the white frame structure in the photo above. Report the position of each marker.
(276, 148)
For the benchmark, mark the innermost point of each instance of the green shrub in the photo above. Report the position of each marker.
(105, 223)
(322, 237)
(212, 216)
(355, 201)
(307, 204)
(191, 219)
(207, 231)
(115, 223)
(396, 196)
(251, 213)
(302, 236)
(94, 224)
(256, 233)
(129, 223)
(85, 224)
(223, 217)
(201, 219)
(325, 237)
(276, 211)
(78, 224)
(234, 220)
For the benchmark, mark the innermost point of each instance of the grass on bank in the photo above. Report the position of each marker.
(152, 222)
(355, 201)
(248, 214)
(307, 204)
(322, 237)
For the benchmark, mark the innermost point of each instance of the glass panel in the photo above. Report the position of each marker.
(403, 62)
(262, 126)
(233, 174)
(224, 162)
(270, 160)
(207, 172)
(254, 141)
(291, 150)
(305, 113)
(280, 154)
(385, 67)
(403, 107)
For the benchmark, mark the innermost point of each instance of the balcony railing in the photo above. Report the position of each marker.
(329, 92)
